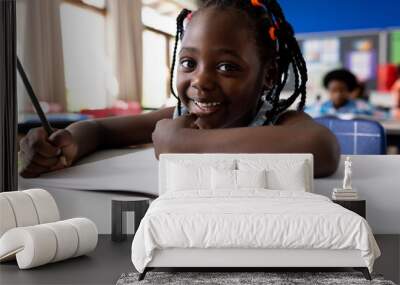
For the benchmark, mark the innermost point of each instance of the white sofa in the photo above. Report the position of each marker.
(31, 231)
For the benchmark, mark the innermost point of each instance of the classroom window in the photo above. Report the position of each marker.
(89, 74)
(86, 63)
(155, 69)
(159, 21)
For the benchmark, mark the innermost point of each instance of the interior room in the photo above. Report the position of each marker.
(199, 142)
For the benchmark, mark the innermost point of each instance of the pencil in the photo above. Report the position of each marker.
(45, 123)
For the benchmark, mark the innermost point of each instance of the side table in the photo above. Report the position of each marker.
(357, 206)
(138, 205)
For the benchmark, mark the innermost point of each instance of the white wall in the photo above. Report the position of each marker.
(377, 179)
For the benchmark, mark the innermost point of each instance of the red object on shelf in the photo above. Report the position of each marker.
(396, 113)
(387, 75)
(119, 108)
(96, 113)
(396, 93)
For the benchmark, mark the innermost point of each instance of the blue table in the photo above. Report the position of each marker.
(57, 120)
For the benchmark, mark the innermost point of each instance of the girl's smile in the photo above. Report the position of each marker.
(202, 109)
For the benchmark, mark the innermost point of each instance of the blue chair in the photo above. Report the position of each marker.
(357, 136)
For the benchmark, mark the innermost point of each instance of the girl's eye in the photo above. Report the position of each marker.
(228, 67)
(188, 63)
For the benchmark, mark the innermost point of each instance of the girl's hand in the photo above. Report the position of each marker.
(168, 133)
(40, 153)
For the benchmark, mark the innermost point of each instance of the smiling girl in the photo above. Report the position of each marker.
(232, 65)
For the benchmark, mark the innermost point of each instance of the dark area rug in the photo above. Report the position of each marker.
(243, 278)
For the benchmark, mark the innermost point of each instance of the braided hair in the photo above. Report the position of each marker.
(277, 47)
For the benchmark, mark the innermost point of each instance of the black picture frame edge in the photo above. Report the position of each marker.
(8, 97)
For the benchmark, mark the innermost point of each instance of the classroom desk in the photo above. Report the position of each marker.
(392, 129)
(87, 189)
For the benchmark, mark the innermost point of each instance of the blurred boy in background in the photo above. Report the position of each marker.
(344, 98)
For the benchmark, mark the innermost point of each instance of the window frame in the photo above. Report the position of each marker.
(79, 3)
(168, 38)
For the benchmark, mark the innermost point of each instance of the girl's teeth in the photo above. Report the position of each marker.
(210, 104)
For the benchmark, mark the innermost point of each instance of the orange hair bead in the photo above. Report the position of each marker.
(272, 33)
(256, 3)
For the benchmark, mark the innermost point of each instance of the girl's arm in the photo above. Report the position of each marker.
(116, 131)
(40, 153)
(295, 132)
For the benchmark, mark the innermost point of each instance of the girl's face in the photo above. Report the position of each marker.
(220, 76)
